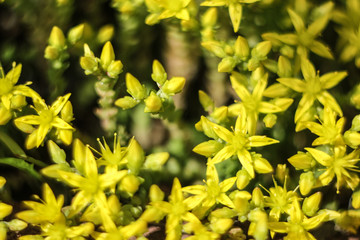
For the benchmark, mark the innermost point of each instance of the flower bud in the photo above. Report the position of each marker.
(126, 102)
(209, 148)
(130, 184)
(241, 48)
(311, 204)
(5, 210)
(57, 38)
(153, 103)
(355, 124)
(114, 69)
(227, 64)
(242, 206)
(105, 33)
(301, 160)
(158, 75)
(215, 48)
(261, 50)
(220, 114)
(155, 193)
(209, 18)
(287, 51)
(65, 135)
(155, 161)
(135, 156)
(87, 51)
(76, 33)
(257, 198)
(356, 199)
(352, 138)
(284, 67)
(270, 120)
(134, 88)
(262, 166)
(16, 225)
(243, 179)
(206, 102)
(51, 53)
(89, 64)
(173, 86)
(281, 172)
(306, 182)
(107, 55)
(56, 153)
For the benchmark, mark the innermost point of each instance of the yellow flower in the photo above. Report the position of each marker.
(298, 224)
(254, 103)
(329, 130)
(304, 38)
(174, 8)
(176, 210)
(46, 119)
(48, 211)
(90, 186)
(238, 142)
(338, 164)
(314, 87)
(211, 193)
(279, 200)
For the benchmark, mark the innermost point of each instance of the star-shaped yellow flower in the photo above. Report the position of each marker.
(314, 87)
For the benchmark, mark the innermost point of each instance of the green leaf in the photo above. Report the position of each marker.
(12, 145)
(21, 165)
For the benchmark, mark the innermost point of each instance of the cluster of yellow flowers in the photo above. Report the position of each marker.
(112, 200)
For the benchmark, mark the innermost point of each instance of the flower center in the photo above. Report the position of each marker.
(46, 116)
(314, 86)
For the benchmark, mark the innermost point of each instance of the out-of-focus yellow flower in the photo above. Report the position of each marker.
(206, 196)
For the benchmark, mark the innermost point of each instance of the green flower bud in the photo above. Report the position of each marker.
(355, 124)
(158, 75)
(129, 184)
(173, 86)
(311, 204)
(89, 64)
(306, 182)
(114, 69)
(126, 102)
(51, 53)
(76, 33)
(105, 33)
(215, 48)
(227, 64)
(87, 51)
(134, 88)
(135, 156)
(206, 102)
(281, 172)
(57, 38)
(356, 199)
(243, 179)
(253, 64)
(155, 161)
(57, 154)
(16, 225)
(153, 103)
(241, 48)
(107, 55)
(155, 193)
(270, 120)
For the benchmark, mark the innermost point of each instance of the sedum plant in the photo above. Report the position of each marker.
(271, 152)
